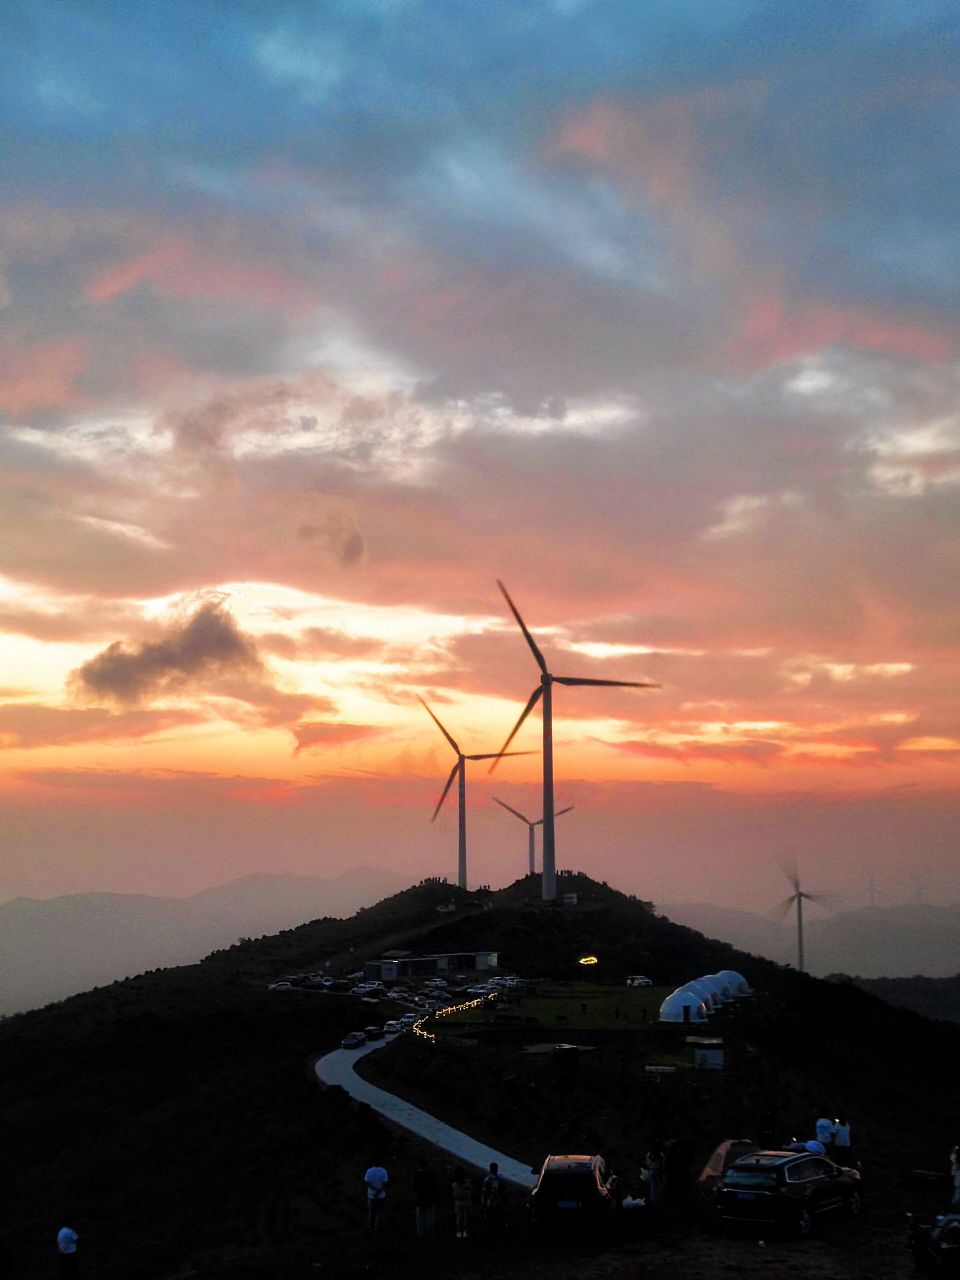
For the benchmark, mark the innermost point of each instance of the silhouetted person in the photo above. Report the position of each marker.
(424, 1199)
(493, 1196)
(68, 1257)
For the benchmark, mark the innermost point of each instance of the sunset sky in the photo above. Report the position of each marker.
(318, 318)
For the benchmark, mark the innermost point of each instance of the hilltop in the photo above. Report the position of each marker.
(176, 1115)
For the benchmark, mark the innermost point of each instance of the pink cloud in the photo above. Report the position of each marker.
(41, 376)
(771, 331)
(179, 270)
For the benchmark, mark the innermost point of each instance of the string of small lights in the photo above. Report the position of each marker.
(418, 1029)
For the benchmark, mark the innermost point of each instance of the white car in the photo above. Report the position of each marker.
(391, 1028)
(639, 980)
(280, 986)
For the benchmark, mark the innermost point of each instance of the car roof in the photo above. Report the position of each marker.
(569, 1162)
(769, 1159)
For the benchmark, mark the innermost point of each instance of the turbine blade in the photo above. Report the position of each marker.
(783, 910)
(495, 755)
(614, 684)
(453, 773)
(787, 863)
(439, 726)
(560, 812)
(821, 899)
(541, 662)
(509, 808)
(531, 703)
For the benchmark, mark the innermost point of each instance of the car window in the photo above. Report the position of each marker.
(803, 1171)
(750, 1179)
(822, 1168)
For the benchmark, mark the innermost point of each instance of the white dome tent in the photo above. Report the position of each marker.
(718, 988)
(736, 982)
(705, 991)
(683, 1005)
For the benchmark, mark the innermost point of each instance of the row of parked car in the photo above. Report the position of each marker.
(354, 1039)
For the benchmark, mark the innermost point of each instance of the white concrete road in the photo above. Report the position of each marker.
(337, 1068)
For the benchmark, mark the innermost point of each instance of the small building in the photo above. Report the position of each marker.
(707, 1052)
(395, 968)
(570, 899)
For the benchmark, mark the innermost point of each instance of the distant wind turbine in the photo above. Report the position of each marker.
(530, 826)
(799, 896)
(545, 691)
(459, 771)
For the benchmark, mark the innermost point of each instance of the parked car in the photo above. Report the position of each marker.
(786, 1188)
(572, 1191)
(391, 1028)
(373, 1033)
(409, 1019)
(280, 986)
(639, 980)
(935, 1243)
(327, 982)
(353, 1040)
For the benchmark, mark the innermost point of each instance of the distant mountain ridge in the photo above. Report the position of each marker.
(56, 947)
(872, 942)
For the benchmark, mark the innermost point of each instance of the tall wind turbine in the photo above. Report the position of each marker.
(459, 771)
(545, 691)
(530, 826)
(799, 896)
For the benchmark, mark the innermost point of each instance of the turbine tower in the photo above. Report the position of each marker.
(530, 826)
(459, 771)
(545, 691)
(799, 896)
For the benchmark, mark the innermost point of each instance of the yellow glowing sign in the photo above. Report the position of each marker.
(588, 960)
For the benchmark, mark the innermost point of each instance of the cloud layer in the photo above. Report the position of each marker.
(315, 325)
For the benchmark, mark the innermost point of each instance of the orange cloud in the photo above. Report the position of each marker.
(41, 376)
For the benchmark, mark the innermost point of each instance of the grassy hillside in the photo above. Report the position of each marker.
(174, 1118)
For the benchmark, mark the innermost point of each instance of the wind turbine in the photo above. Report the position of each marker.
(530, 825)
(459, 771)
(545, 691)
(799, 896)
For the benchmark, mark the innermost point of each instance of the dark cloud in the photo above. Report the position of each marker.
(208, 644)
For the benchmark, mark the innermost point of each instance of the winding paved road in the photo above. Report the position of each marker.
(338, 1068)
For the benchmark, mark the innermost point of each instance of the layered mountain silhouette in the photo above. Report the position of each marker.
(55, 947)
(873, 942)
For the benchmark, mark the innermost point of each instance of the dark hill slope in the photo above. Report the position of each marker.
(174, 1117)
(933, 997)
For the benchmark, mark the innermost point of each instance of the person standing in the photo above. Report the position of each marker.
(825, 1132)
(955, 1176)
(424, 1199)
(67, 1256)
(842, 1152)
(462, 1198)
(376, 1181)
(493, 1194)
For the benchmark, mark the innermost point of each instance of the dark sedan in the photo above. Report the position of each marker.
(786, 1188)
(572, 1191)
